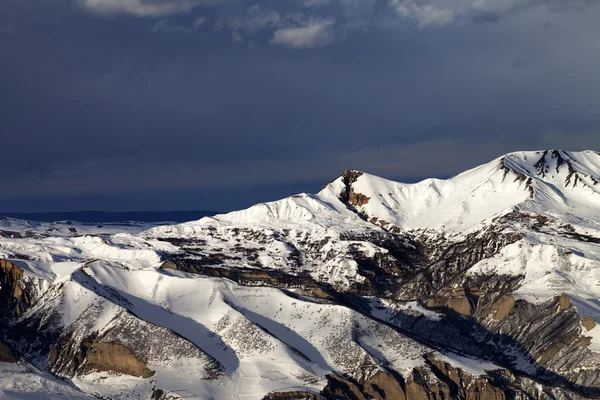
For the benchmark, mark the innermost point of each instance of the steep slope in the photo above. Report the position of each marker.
(549, 180)
(481, 286)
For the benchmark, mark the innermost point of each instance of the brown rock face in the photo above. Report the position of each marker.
(351, 175)
(320, 293)
(461, 305)
(113, 357)
(5, 354)
(349, 195)
(454, 383)
(588, 323)
(437, 381)
(10, 272)
(502, 307)
(547, 354)
(383, 386)
(357, 199)
(10, 290)
(341, 388)
(564, 302)
(455, 299)
(585, 341)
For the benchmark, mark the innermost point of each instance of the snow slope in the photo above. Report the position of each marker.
(24, 382)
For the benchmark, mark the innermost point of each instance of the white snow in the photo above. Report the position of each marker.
(49, 271)
(24, 382)
(267, 340)
(550, 265)
(473, 366)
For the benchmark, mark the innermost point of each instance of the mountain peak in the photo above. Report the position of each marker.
(545, 179)
(558, 180)
(351, 173)
(558, 167)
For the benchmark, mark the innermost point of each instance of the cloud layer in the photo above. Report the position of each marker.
(139, 8)
(315, 23)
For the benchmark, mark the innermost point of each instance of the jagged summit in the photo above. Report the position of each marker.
(543, 180)
(575, 167)
(537, 181)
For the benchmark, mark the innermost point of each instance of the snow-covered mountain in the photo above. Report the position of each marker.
(482, 286)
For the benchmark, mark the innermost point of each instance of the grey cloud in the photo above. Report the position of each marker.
(313, 34)
(199, 21)
(442, 12)
(307, 23)
(139, 8)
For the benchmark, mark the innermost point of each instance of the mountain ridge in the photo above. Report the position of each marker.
(482, 286)
(399, 203)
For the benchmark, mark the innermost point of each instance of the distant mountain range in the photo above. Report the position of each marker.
(484, 286)
(108, 216)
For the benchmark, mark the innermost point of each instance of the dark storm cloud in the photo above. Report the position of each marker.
(100, 106)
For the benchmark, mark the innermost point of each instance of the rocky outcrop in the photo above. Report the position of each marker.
(245, 276)
(444, 261)
(588, 323)
(439, 380)
(115, 358)
(456, 383)
(17, 294)
(127, 345)
(383, 385)
(547, 338)
(454, 299)
(502, 307)
(564, 302)
(342, 388)
(70, 357)
(349, 195)
(14, 299)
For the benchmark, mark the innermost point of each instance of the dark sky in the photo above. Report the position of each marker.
(218, 104)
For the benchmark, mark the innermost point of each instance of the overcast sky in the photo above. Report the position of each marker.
(218, 104)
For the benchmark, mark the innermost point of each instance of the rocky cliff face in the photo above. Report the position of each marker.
(16, 293)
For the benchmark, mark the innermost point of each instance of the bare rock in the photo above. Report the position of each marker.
(455, 299)
(564, 302)
(588, 323)
(113, 357)
(502, 307)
